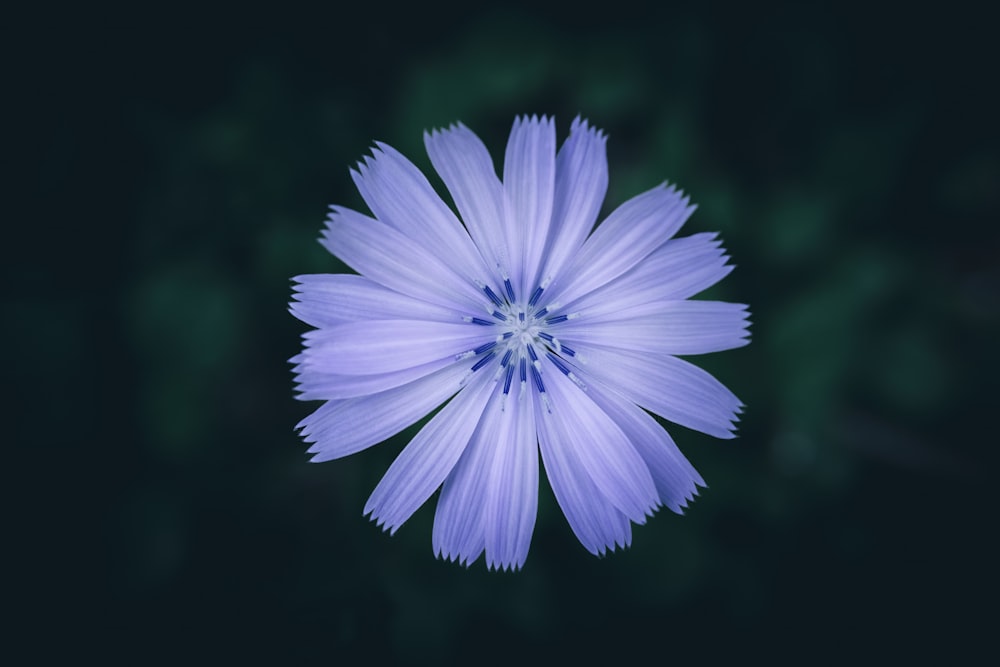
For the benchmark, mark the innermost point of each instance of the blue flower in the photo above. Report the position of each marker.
(534, 330)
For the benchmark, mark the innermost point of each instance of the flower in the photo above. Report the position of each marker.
(536, 331)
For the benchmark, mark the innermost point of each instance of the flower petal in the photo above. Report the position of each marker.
(400, 196)
(676, 479)
(581, 183)
(594, 520)
(529, 173)
(322, 385)
(379, 252)
(323, 300)
(459, 525)
(467, 170)
(664, 328)
(678, 269)
(601, 448)
(424, 464)
(343, 427)
(670, 387)
(512, 490)
(385, 346)
(630, 234)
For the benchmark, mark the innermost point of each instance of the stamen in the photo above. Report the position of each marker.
(524, 370)
(552, 340)
(557, 319)
(566, 371)
(542, 312)
(566, 350)
(500, 316)
(476, 320)
(507, 380)
(506, 359)
(493, 295)
(535, 296)
(520, 316)
(508, 335)
(558, 363)
(531, 353)
(537, 377)
(482, 362)
(510, 289)
(485, 347)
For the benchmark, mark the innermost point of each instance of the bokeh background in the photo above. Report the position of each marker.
(172, 173)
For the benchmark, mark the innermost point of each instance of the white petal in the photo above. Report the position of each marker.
(467, 170)
(581, 183)
(601, 448)
(424, 463)
(594, 520)
(326, 299)
(379, 252)
(512, 490)
(676, 479)
(670, 387)
(385, 346)
(529, 173)
(678, 269)
(664, 328)
(400, 196)
(343, 427)
(633, 231)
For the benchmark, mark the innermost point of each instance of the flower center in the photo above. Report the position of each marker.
(522, 342)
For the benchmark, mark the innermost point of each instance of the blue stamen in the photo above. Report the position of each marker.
(524, 369)
(506, 382)
(538, 379)
(493, 295)
(506, 358)
(508, 334)
(557, 319)
(542, 312)
(520, 316)
(531, 351)
(485, 347)
(500, 316)
(510, 289)
(567, 350)
(558, 363)
(482, 323)
(482, 362)
(544, 336)
(535, 296)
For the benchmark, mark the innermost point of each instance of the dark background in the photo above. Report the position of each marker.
(169, 171)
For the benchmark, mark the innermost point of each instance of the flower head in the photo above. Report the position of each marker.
(534, 330)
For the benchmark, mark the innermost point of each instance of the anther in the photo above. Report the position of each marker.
(537, 377)
(535, 296)
(485, 347)
(492, 295)
(482, 362)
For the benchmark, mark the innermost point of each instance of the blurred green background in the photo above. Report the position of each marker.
(175, 174)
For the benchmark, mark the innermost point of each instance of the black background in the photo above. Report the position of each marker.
(169, 170)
